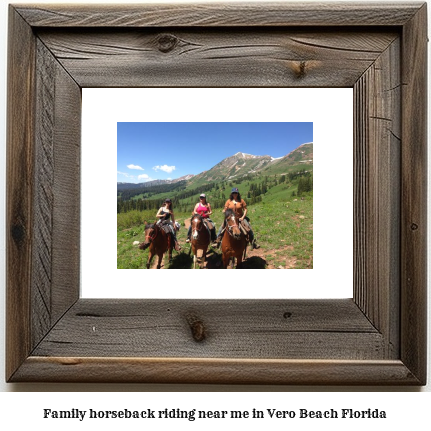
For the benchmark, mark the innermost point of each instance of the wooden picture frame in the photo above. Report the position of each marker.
(376, 338)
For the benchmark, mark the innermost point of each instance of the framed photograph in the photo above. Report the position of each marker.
(376, 337)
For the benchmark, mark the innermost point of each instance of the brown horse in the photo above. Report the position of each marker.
(234, 242)
(158, 241)
(200, 240)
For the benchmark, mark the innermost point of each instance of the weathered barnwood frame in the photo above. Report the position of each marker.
(378, 337)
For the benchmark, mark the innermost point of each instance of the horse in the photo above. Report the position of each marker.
(234, 242)
(158, 241)
(200, 240)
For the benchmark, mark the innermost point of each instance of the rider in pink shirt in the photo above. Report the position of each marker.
(203, 208)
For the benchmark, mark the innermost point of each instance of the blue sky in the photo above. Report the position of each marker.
(150, 151)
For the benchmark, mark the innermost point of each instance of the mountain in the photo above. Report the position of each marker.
(240, 165)
(301, 156)
(183, 178)
(128, 186)
(237, 165)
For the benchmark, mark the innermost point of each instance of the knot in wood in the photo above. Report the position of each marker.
(18, 233)
(414, 226)
(299, 68)
(167, 42)
(197, 327)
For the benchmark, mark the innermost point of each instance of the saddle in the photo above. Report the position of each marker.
(207, 227)
(208, 224)
(166, 226)
(245, 228)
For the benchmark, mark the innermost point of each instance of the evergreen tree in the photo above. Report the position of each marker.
(300, 186)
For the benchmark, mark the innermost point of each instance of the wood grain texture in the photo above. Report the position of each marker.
(414, 195)
(215, 371)
(57, 194)
(67, 199)
(234, 329)
(228, 58)
(43, 194)
(378, 338)
(19, 198)
(377, 184)
(221, 15)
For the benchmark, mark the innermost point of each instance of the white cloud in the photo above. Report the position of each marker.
(145, 180)
(135, 167)
(164, 168)
(143, 177)
(125, 174)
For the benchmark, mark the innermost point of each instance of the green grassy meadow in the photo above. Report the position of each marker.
(282, 224)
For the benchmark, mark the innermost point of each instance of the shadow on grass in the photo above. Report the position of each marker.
(214, 260)
(182, 260)
(254, 262)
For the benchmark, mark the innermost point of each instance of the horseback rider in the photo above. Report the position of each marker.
(203, 208)
(239, 206)
(165, 213)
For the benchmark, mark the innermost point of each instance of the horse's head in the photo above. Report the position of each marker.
(150, 234)
(232, 224)
(196, 224)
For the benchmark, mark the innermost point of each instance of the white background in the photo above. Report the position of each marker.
(330, 110)
(406, 409)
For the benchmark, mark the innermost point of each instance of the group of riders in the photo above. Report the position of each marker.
(203, 208)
